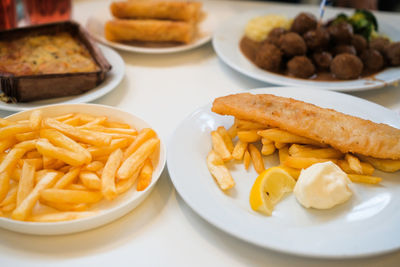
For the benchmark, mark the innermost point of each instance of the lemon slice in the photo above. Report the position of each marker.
(269, 188)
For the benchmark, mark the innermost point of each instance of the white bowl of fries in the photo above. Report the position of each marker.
(73, 167)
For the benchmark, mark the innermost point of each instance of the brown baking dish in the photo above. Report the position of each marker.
(25, 88)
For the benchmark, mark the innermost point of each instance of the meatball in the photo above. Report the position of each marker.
(393, 54)
(340, 49)
(269, 57)
(346, 66)
(301, 66)
(322, 59)
(359, 43)
(372, 59)
(379, 44)
(317, 39)
(303, 23)
(341, 32)
(292, 44)
(274, 35)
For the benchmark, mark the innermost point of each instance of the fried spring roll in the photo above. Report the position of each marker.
(149, 30)
(173, 10)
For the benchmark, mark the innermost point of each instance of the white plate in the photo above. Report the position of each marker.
(228, 35)
(108, 210)
(95, 26)
(113, 78)
(366, 225)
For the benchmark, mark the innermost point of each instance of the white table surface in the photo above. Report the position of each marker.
(163, 230)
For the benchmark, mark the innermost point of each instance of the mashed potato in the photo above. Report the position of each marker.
(258, 28)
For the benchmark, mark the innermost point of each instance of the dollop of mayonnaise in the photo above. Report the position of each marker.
(322, 186)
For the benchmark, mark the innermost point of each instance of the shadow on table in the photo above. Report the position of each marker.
(98, 240)
(251, 255)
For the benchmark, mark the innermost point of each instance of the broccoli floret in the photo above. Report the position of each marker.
(364, 23)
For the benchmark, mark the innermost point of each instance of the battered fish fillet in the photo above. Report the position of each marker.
(343, 132)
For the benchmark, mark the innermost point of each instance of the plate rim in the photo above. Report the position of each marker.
(113, 213)
(217, 223)
(115, 59)
(277, 79)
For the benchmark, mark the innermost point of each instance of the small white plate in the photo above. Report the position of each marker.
(366, 225)
(228, 35)
(113, 78)
(95, 26)
(108, 210)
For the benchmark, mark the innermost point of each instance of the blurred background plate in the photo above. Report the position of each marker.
(113, 78)
(229, 33)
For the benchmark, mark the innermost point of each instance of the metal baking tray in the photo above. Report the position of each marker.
(27, 88)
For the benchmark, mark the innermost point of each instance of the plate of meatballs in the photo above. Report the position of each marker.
(344, 52)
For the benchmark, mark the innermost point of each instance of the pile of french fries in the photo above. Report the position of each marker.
(63, 165)
(248, 142)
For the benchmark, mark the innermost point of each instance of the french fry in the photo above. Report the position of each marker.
(239, 149)
(113, 124)
(35, 119)
(354, 163)
(76, 187)
(62, 216)
(307, 151)
(246, 159)
(267, 149)
(108, 175)
(33, 155)
(11, 159)
(249, 125)
(69, 157)
(256, 158)
(93, 123)
(266, 141)
(367, 168)
(295, 173)
(4, 122)
(248, 136)
(27, 136)
(64, 117)
(56, 164)
(73, 121)
(136, 159)
(25, 208)
(57, 138)
(232, 131)
(358, 178)
(48, 161)
(94, 166)
(225, 136)
(144, 135)
(26, 145)
(36, 163)
(6, 144)
(15, 174)
(124, 185)
(278, 135)
(68, 178)
(145, 175)
(65, 206)
(10, 198)
(219, 146)
(4, 184)
(103, 129)
(26, 182)
(65, 169)
(283, 154)
(70, 196)
(304, 163)
(279, 145)
(10, 207)
(13, 129)
(386, 165)
(96, 139)
(97, 152)
(219, 171)
(90, 180)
